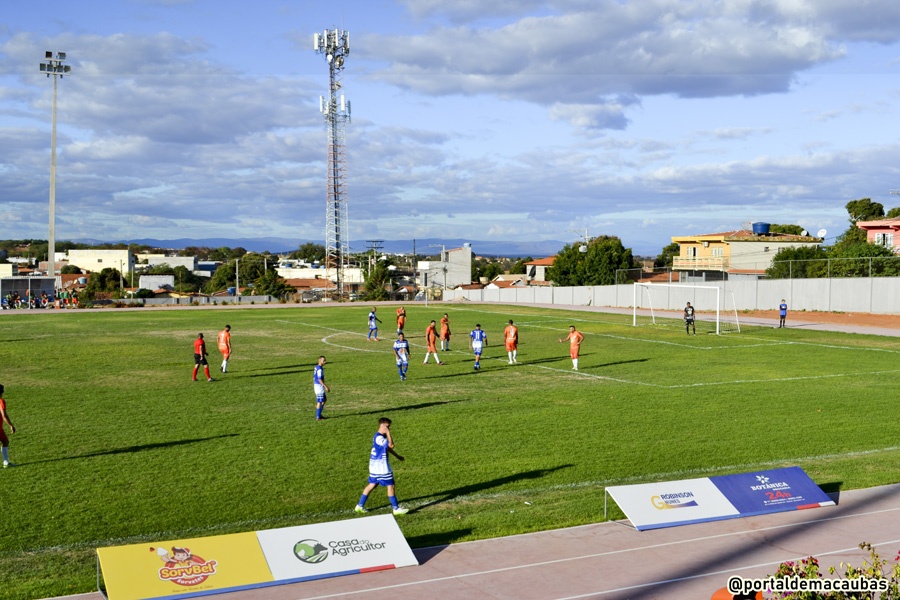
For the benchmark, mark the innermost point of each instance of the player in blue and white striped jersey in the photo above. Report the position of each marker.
(477, 341)
(401, 353)
(380, 472)
(373, 326)
(320, 387)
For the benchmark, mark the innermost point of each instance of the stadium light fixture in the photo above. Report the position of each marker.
(53, 67)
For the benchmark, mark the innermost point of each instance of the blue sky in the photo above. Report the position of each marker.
(513, 120)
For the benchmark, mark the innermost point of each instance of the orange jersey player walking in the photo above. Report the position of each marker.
(511, 337)
(575, 338)
(445, 333)
(4, 441)
(200, 355)
(431, 337)
(224, 341)
(401, 319)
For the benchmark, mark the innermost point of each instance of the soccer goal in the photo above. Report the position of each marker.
(652, 300)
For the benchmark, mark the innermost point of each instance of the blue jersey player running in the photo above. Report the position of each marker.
(373, 326)
(401, 353)
(320, 387)
(380, 472)
(477, 341)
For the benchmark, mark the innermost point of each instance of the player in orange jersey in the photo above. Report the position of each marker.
(200, 355)
(511, 336)
(4, 441)
(224, 341)
(401, 319)
(445, 333)
(431, 337)
(575, 338)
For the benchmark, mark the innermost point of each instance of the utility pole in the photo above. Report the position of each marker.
(374, 246)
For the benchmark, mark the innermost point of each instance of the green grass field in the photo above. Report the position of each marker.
(116, 445)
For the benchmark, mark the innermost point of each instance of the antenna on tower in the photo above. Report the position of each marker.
(334, 44)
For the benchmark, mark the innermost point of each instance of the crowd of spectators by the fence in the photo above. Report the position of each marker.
(61, 299)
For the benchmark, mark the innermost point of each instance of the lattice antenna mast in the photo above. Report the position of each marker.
(335, 46)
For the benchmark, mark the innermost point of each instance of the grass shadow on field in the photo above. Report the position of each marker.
(276, 374)
(399, 408)
(619, 362)
(130, 449)
(282, 367)
(475, 488)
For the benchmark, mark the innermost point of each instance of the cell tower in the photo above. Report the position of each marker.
(335, 46)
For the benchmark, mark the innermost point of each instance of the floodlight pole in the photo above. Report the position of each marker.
(53, 67)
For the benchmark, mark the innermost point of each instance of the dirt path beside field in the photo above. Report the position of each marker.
(836, 318)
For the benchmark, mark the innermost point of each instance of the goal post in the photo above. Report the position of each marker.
(707, 299)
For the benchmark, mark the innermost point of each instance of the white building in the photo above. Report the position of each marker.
(296, 270)
(97, 260)
(155, 260)
(453, 269)
(156, 282)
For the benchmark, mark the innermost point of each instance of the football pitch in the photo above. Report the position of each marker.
(115, 444)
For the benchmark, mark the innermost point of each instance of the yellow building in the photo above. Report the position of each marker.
(741, 252)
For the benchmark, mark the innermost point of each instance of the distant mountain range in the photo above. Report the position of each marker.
(422, 247)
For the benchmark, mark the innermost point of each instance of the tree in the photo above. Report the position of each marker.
(377, 279)
(272, 284)
(804, 262)
(485, 268)
(893, 213)
(668, 253)
(107, 281)
(310, 252)
(222, 278)
(789, 229)
(520, 266)
(862, 209)
(597, 266)
(863, 260)
(70, 270)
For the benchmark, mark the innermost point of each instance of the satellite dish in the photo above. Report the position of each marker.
(821, 233)
(582, 248)
(804, 233)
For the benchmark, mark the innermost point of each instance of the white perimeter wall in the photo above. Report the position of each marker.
(858, 294)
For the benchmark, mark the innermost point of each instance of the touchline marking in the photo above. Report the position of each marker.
(625, 551)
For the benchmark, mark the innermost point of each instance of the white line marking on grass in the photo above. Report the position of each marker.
(325, 340)
(779, 379)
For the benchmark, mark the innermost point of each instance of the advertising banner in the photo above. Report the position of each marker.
(771, 491)
(190, 568)
(329, 549)
(183, 568)
(671, 503)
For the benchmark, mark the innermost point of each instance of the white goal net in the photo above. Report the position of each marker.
(715, 309)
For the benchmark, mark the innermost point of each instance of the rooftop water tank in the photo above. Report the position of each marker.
(760, 229)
